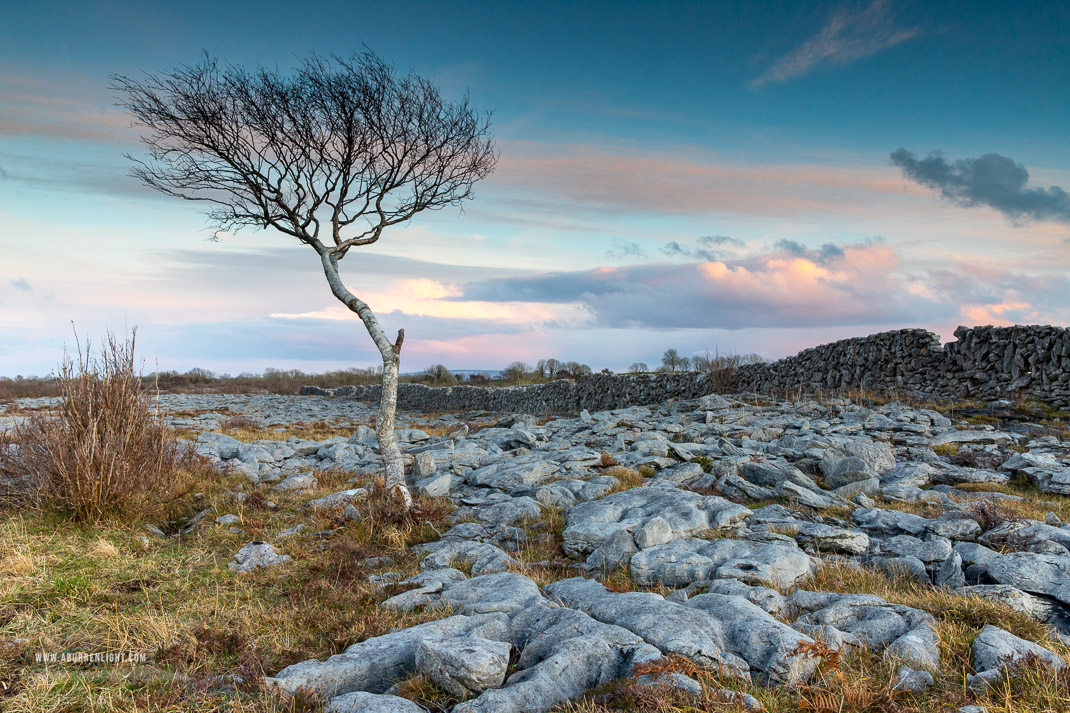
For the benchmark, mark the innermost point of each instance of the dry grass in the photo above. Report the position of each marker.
(627, 477)
(247, 430)
(1035, 505)
(68, 586)
(106, 452)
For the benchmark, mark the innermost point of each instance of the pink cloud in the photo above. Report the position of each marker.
(683, 181)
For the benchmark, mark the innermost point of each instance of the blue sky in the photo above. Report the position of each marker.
(698, 175)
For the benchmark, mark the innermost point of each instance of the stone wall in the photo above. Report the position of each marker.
(984, 363)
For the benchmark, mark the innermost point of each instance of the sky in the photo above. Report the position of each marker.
(730, 177)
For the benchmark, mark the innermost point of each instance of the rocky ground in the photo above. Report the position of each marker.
(761, 541)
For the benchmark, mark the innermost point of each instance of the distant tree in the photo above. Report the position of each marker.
(638, 367)
(439, 375)
(516, 372)
(701, 362)
(672, 361)
(576, 369)
(331, 155)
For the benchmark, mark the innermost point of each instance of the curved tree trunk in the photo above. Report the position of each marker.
(393, 465)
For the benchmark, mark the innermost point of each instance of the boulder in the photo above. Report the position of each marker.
(463, 666)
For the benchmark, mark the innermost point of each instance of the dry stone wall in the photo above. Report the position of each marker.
(984, 363)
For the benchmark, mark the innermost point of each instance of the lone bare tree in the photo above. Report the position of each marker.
(331, 154)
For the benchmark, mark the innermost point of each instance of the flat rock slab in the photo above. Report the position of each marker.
(868, 620)
(895, 522)
(679, 563)
(375, 664)
(479, 557)
(766, 643)
(564, 653)
(672, 628)
(359, 702)
(507, 475)
(1035, 573)
(590, 525)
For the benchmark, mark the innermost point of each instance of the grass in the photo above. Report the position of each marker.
(68, 586)
(627, 478)
(247, 431)
(106, 452)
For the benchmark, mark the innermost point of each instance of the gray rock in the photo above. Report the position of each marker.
(950, 574)
(509, 475)
(846, 471)
(1035, 573)
(907, 679)
(504, 592)
(829, 538)
(995, 649)
(508, 511)
(672, 628)
(672, 680)
(227, 519)
(816, 499)
(869, 487)
(423, 465)
(738, 698)
(375, 664)
(1035, 607)
(752, 633)
(479, 557)
(437, 485)
(655, 531)
(336, 500)
(359, 702)
(590, 524)
(463, 666)
(614, 552)
(563, 654)
(292, 531)
(905, 565)
(256, 555)
(682, 562)
(864, 619)
(410, 435)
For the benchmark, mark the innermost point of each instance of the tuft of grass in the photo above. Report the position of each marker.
(420, 689)
(946, 449)
(248, 431)
(627, 477)
(106, 452)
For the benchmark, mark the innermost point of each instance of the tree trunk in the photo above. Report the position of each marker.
(393, 465)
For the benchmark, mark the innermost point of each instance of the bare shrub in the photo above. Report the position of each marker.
(241, 421)
(107, 450)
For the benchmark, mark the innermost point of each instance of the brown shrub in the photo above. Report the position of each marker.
(106, 451)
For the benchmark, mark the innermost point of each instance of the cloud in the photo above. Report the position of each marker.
(992, 180)
(22, 285)
(834, 285)
(31, 106)
(709, 247)
(790, 286)
(848, 36)
(623, 249)
(605, 181)
(4, 174)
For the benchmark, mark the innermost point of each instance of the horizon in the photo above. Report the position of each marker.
(701, 177)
